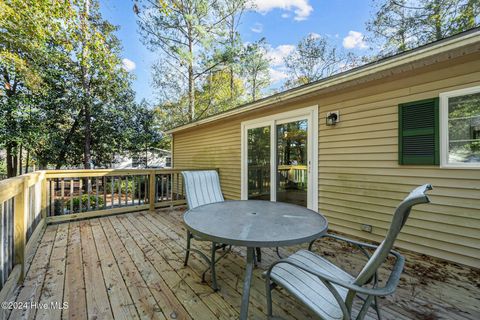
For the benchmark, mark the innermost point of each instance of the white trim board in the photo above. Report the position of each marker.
(309, 113)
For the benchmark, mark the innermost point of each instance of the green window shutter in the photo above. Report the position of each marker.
(418, 132)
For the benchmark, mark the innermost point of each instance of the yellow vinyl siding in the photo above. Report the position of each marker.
(360, 180)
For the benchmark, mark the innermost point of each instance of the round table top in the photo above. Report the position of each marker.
(255, 223)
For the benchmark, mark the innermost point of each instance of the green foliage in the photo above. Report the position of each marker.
(65, 89)
(255, 68)
(399, 25)
(129, 187)
(83, 200)
(313, 59)
(198, 45)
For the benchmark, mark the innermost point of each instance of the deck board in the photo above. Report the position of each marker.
(98, 304)
(74, 280)
(130, 266)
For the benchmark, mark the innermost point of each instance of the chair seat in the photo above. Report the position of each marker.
(307, 287)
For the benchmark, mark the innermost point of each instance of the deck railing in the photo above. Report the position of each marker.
(29, 202)
(21, 224)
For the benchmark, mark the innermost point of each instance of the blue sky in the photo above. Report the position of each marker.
(282, 22)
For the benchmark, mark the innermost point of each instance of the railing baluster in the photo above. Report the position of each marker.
(96, 194)
(88, 193)
(126, 191)
(119, 191)
(112, 185)
(62, 195)
(72, 181)
(151, 190)
(160, 198)
(80, 194)
(139, 188)
(52, 197)
(170, 184)
(10, 235)
(177, 183)
(104, 187)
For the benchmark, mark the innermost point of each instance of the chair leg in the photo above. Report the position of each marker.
(278, 253)
(258, 254)
(212, 267)
(377, 308)
(268, 291)
(187, 253)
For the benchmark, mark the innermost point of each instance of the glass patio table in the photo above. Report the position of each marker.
(254, 224)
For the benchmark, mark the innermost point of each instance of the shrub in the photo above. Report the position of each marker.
(84, 200)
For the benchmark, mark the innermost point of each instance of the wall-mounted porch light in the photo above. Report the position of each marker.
(332, 118)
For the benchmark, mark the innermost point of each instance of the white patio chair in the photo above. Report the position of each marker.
(327, 290)
(203, 187)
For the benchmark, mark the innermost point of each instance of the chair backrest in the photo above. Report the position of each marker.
(202, 187)
(417, 196)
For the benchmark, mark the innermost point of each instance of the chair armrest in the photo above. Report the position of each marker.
(388, 289)
(357, 243)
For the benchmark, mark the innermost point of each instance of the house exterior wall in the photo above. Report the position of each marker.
(360, 180)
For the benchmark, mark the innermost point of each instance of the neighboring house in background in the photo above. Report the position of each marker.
(354, 144)
(153, 158)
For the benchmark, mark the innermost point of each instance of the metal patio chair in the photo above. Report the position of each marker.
(329, 291)
(203, 187)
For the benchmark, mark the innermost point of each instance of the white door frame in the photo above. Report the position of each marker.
(309, 113)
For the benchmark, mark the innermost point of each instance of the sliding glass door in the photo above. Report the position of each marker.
(277, 153)
(291, 164)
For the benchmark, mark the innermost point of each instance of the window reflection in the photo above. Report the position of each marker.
(292, 162)
(464, 129)
(258, 163)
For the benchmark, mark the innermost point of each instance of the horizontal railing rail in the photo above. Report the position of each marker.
(31, 201)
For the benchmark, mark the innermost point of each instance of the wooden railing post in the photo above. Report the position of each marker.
(151, 190)
(44, 201)
(21, 208)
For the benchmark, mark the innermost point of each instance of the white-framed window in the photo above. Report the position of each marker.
(460, 128)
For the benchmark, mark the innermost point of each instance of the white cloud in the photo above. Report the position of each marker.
(277, 75)
(301, 8)
(277, 54)
(128, 65)
(354, 40)
(314, 35)
(257, 28)
(285, 15)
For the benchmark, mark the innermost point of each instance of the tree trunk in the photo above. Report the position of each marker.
(86, 88)
(20, 159)
(191, 79)
(66, 143)
(88, 137)
(11, 160)
(232, 45)
(437, 9)
(191, 92)
(27, 161)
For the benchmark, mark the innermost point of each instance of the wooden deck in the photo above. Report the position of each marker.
(130, 266)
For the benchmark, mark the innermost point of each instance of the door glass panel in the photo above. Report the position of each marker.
(292, 162)
(258, 163)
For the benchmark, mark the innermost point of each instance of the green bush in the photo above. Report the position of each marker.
(84, 201)
(131, 187)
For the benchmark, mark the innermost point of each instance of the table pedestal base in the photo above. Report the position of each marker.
(246, 283)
